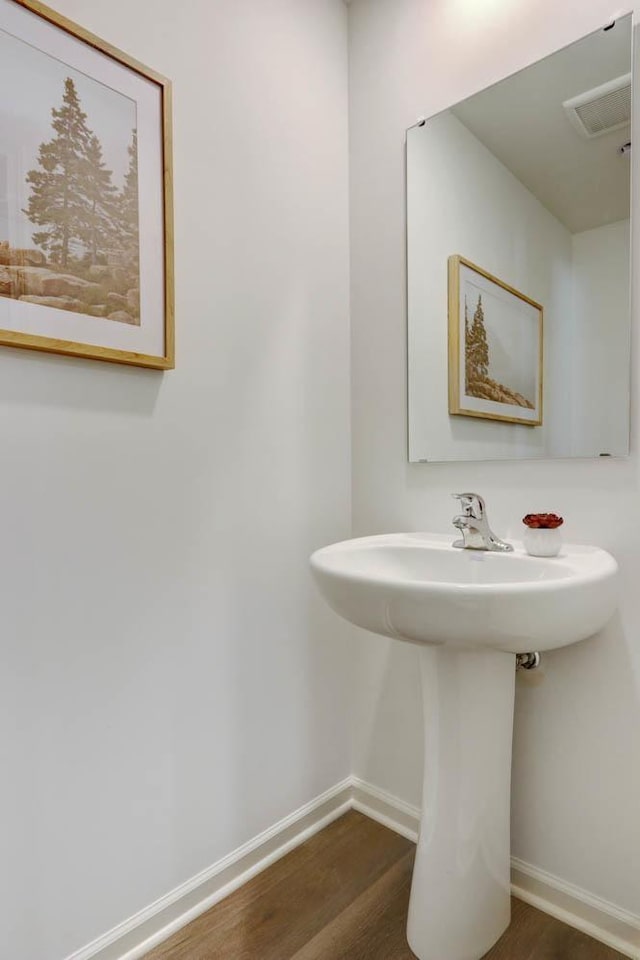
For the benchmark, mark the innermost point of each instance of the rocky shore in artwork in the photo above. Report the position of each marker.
(97, 290)
(484, 388)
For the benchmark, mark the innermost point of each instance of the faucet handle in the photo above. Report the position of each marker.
(472, 504)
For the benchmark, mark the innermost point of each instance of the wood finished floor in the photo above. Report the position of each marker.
(343, 895)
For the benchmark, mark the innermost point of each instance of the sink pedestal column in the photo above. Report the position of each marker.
(460, 893)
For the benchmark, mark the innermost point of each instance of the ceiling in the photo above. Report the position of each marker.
(584, 183)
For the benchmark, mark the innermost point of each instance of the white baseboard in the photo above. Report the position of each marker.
(580, 909)
(135, 937)
(385, 808)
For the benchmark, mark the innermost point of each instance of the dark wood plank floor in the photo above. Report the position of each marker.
(343, 895)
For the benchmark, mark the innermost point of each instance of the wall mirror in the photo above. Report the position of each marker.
(518, 248)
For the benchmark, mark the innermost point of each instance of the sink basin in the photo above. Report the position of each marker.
(417, 587)
(469, 612)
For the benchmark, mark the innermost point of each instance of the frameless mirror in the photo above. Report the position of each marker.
(518, 246)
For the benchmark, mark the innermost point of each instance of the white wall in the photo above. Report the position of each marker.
(576, 773)
(462, 199)
(170, 684)
(600, 354)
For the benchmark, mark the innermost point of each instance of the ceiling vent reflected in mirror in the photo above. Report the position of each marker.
(599, 111)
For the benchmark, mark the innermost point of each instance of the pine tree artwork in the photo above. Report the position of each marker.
(128, 199)
(97, 225)
(84, 256)
(127, 219)
(478, 383)
(56, 202)
(86, 187)
(477, 348)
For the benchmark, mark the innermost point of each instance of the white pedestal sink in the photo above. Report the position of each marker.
(470, 612)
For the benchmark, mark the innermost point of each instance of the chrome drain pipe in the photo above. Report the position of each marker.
(527, 661)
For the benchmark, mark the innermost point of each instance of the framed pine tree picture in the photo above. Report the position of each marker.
(495, 348)
(86, 232)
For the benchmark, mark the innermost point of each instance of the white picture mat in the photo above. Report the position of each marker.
(514, 327)
(148, 338)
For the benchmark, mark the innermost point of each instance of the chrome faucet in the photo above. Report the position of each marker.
(473, 525)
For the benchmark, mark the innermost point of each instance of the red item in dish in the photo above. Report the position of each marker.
(542, 521)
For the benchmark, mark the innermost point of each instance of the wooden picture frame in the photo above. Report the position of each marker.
(86, 244)
(495, 348)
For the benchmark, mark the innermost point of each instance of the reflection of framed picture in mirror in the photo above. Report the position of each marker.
(85, 194)
(495, 348)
